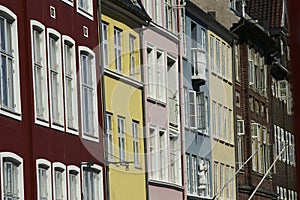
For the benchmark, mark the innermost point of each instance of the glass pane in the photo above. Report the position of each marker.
(2, 33)
(4, 82)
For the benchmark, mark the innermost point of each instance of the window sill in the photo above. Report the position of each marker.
(71, 130)
(85, 13)
(42, 122)
(70, 3)
(10, 113)
(57, 126)
(90, 138)
(166, 184)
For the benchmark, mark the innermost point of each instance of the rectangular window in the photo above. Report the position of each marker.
(10, 181)
(226, 181)
(109, 137)
(194, 174)
(283, 155)
(43, 176)
(39, 57)
(133, 57)
(160, 77)
(202, 112)
(105, 50)
(220, 124)
(224, 54)
(188, 182)
(240, 150)
(153, 153)
(162, 155)
(88, 94)
(91, 184)
(70, 85)
(237, 63)
(225, 116)
(170, 14)
(121, 138)
(229, 63)
(55, 79)
(213, 124)
(186, 107)
(151, 78)
(254, 130)
(215, 178)
(203, 39)
(86, 6)
(136, 146)
(230, 133)
(74, 187)
(59, 184)
(174, 162)
(192, 98)
(221, 180)
(212, 53)
(118, 49)
(251, 66)
(157, 11)
(218, 56)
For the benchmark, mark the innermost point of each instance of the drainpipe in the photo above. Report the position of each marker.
(103, 101)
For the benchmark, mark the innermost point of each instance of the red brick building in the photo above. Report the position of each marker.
(50, 108)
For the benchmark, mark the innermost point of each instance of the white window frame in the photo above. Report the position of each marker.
(133, 57)
(44, 119)
(174, 157)
(70, 170)
(192, 103)
(118, 49)
(251, 72)
(136, 143)
(59, 122)
(224, 60)
(87, 11)
(212, 53)
(17, 162)
(70, 128)
(163, 158)
(109, 137)
(161, 76)
(105, 45)
(194, 175)
(47, 164)
(95, 169)
(62, 169)
(214, 119)
(122, 139)
(215, 178)
(151, 78)
(218, 56)
(14, 112)
(186, 106)
(229, 63)
(95, 135)
(188, 173)
(153, 150)
(69, 2)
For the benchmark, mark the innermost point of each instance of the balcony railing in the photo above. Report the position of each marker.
(198, 63)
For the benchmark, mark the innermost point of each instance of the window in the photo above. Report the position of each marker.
(9, 72)
(11, 176)
(218, 56)
(174, 157)
(170, 14)
(224, 60)
(215, 178)
(133, 59)
(39, 72)
(70, 2)
(163, 167)
(221, 179)
(136, 146)
(157, 12)
(212, 53)
(44, 179)
(74, 192)
(109, 137)
(230, 133)
(240, 150)
(153, 153)
(254, 136)
(229, 65)
(105, 50)
(192, 98)
(220, 125)
(237, 63)
(251, 103)
(186, 107)
(118, 49)
(148, 6)
(203, 39)
(92, 183)
(88, 94)
(225, 136)
(213, 124)
(188, 182)
(55, 77)
(121, 138)
(202, 114)
(226, 181)
(283, 155)
(251, 66)
(160, 77)
(59, 179)
(71, 104)
(194, 175)
(85, 7)
(151, 85)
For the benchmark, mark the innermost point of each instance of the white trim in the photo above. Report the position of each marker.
(60, 83)
(87, 14)
(18, 159)
(44, 122)
(77, 169)
(64, 184)
(96, 123)
(49, 182)
(100, 174)
(74, 76)
(16, 114)
(122, 77)
(69, 2)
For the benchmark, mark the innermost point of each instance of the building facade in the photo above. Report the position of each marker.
(46, 57)
(161, 48)
(123, 91)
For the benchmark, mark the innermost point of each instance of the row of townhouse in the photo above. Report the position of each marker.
(142, 99)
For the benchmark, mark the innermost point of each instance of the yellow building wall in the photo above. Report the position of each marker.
(126, 33)
(222, 92)
(125, 100)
